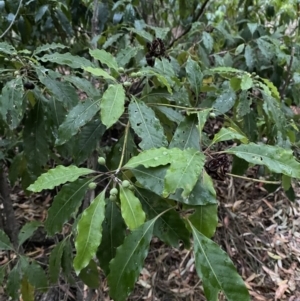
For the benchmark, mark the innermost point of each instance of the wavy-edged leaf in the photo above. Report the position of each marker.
(89, 229)
(36, 276)
(7, 48)
(99, 72)
(65, 204)
(76, 118)
(226, 70)
(226, 134)
(146, 125)
(277, 159)
(194, 75)
(14, 281)
(186, 134)
(83, 85)
(104, 57)
(216, 270)
(47, 47)
(112, 105)
(113, 234)
(126, 54)
(131, 208)
(11, 103)
(55, 261)
(57, 176)
(4, 241)
(272, 88)
(184, 172)
(73, 61)
(205, 219)
(128, 263)
(27, 231)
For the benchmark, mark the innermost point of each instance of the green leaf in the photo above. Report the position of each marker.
(36, 276)
(208, 41)
(186, 134)
(131, 208)
(66, 260)
(225, 101)
(55, 261)
(5, 241)
(239, 49)
(112, 105)
(216, 270)
(113, 235)
(127, 265)
(27, 290)
(272, 88)
(112, 40)
(126, 54)
(194, 75)
(226, 70)
(14, 282)
(99, 72)
(249, 57)
(73, 61)
(184, 172)
(89, 230)
(47, 47)
(7, 48)
(76, 118)
(244, 105)
(104, 57)
(267, 49)
(65, 204)
(277, 159)
(171, 114)
(246, 82)
(226, 134)
(202, 118)
(90, 275)
(11, 103)
(235, 83)
(146, 125)
(57, 176)
(83, 85)
(27, 231)
(205, 219)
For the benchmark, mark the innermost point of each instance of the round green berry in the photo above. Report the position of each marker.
(113, 191)
(125, 184)
(101, 160)
(127, 84)
(121, 70)
(113, 197)
(92, 185)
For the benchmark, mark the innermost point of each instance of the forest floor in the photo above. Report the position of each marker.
(259, 231)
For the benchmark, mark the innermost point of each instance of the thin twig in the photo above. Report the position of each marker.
(13, 21)
(196, 18)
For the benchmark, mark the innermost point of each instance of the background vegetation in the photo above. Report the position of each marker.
(126, 111)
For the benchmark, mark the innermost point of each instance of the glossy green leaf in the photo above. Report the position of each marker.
(244, 104)
(36, 276)
(47, 47)
(226, 134)
(239, 49)
(277, 159)
(249, 57)
(171, 114)
(186, 134)
(146, 125)
(14, 282)
(208, 41)
(205, 219)
(214, 266)
(126, 54)
(65, 204)
(27, 231)
(202, 118)
(27, 290)
(89, 230)
(73, 61)
(235, 83)
(83, 85)
(194, 75)
(113, 235)
(112, 40)
(184, 173)
(99, 72)
(112, 105)
(246, 82)
(225, 101)
(128, 263)
(76, 118)
(104, 57)
(7, 48)
(131, 208)
(5, 241)
(55, 261)
(90, 275)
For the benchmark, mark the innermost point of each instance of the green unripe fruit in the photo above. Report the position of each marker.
(125, 184)
(92, 185)
(101, 160)
(113, 197)
(213, 115)
(110, 85)
(133, 74)
(127, 84)
(113, 191)
(139, 74)
(131, 187)
(121, 70)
